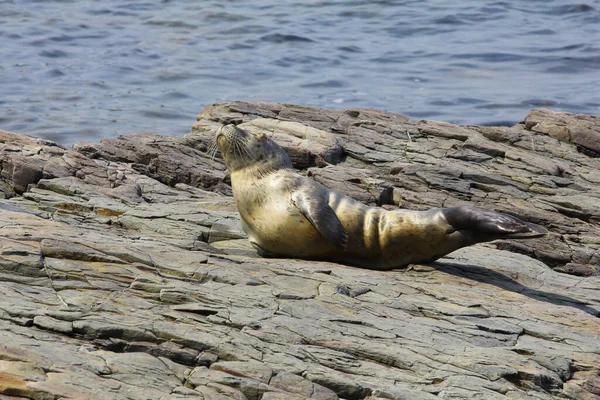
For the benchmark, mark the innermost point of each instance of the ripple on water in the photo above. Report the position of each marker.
(174, 95)
(174, 75)
(403, 30)
(283, 38)
(450, 20)
(391, 58)
(330, 83)
(171, 24)
(241, 46)
(457, 101)
(498, 106)
(542, 32)
(297, 59)
(245, 30)
(571, 9)
(491, 57)
(111, 12)
(539, 103)
(224, 17)
(351, 49)
(364, 14)
(161, 113)
(53, 53)
(55, 73)
(574, 65)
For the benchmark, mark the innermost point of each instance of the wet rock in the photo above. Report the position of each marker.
(125, 274)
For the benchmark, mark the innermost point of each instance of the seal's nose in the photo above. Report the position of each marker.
(229, 129)
(226, 130)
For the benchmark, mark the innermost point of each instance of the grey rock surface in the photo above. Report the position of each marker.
(125, 274)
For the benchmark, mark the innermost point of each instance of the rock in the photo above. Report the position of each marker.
(582, 130)
(305, 145)
(257, 371)
(296, 384)
(125, 274)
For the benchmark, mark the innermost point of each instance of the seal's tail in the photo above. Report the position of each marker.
(485, 225)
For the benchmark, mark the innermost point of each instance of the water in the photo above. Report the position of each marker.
(84, 70)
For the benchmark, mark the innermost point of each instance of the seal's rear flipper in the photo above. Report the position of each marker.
(322, 217)
(490, 224)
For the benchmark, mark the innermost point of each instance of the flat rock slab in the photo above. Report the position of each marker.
(125, 274)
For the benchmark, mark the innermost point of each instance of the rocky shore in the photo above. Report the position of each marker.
(125, 274)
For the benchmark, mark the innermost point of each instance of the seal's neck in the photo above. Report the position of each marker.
(261, 170)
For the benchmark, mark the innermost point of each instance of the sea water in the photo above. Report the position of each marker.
(85, 70)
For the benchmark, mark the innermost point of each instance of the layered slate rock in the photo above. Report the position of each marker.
(125, 274)
(544, 170)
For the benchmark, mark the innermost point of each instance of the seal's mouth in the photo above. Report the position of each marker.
(224, 132)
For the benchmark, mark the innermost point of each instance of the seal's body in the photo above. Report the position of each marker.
(288, 215)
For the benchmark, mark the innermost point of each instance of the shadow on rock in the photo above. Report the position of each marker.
(486, 275)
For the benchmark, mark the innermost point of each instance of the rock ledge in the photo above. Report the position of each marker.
(125, 274)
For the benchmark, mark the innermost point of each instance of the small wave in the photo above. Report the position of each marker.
(539, 103)
(332, 83)
(171, 24)
(542, 32)
(245, 30)
(55, 73)
(455, 102)
(561, 49)
(469, 100)
(241, 46)
(575, 65)
(359, 14)
(424, 114)
(350, 49)
(442, 103)
(391, 58)
(161, 114)
(170, 76)
(449, 20)
(403, 30)
(224, 17)
(499, 106)
(500, 122)
(572, 9)
(53, 53)
(290, 60)
(491, 57)
(282, 38)
(175, 95)
(108, 11)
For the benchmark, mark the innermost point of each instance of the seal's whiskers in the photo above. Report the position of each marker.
(241, 149)
(212, 149)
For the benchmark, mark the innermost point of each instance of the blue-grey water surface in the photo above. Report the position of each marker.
(83, 70)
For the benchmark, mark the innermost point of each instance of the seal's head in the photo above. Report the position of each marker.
(241, 149)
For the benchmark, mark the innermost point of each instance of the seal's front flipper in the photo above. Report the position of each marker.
(490, 224)
(322, 217)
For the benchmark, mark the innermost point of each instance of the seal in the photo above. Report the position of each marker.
(289, 215)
